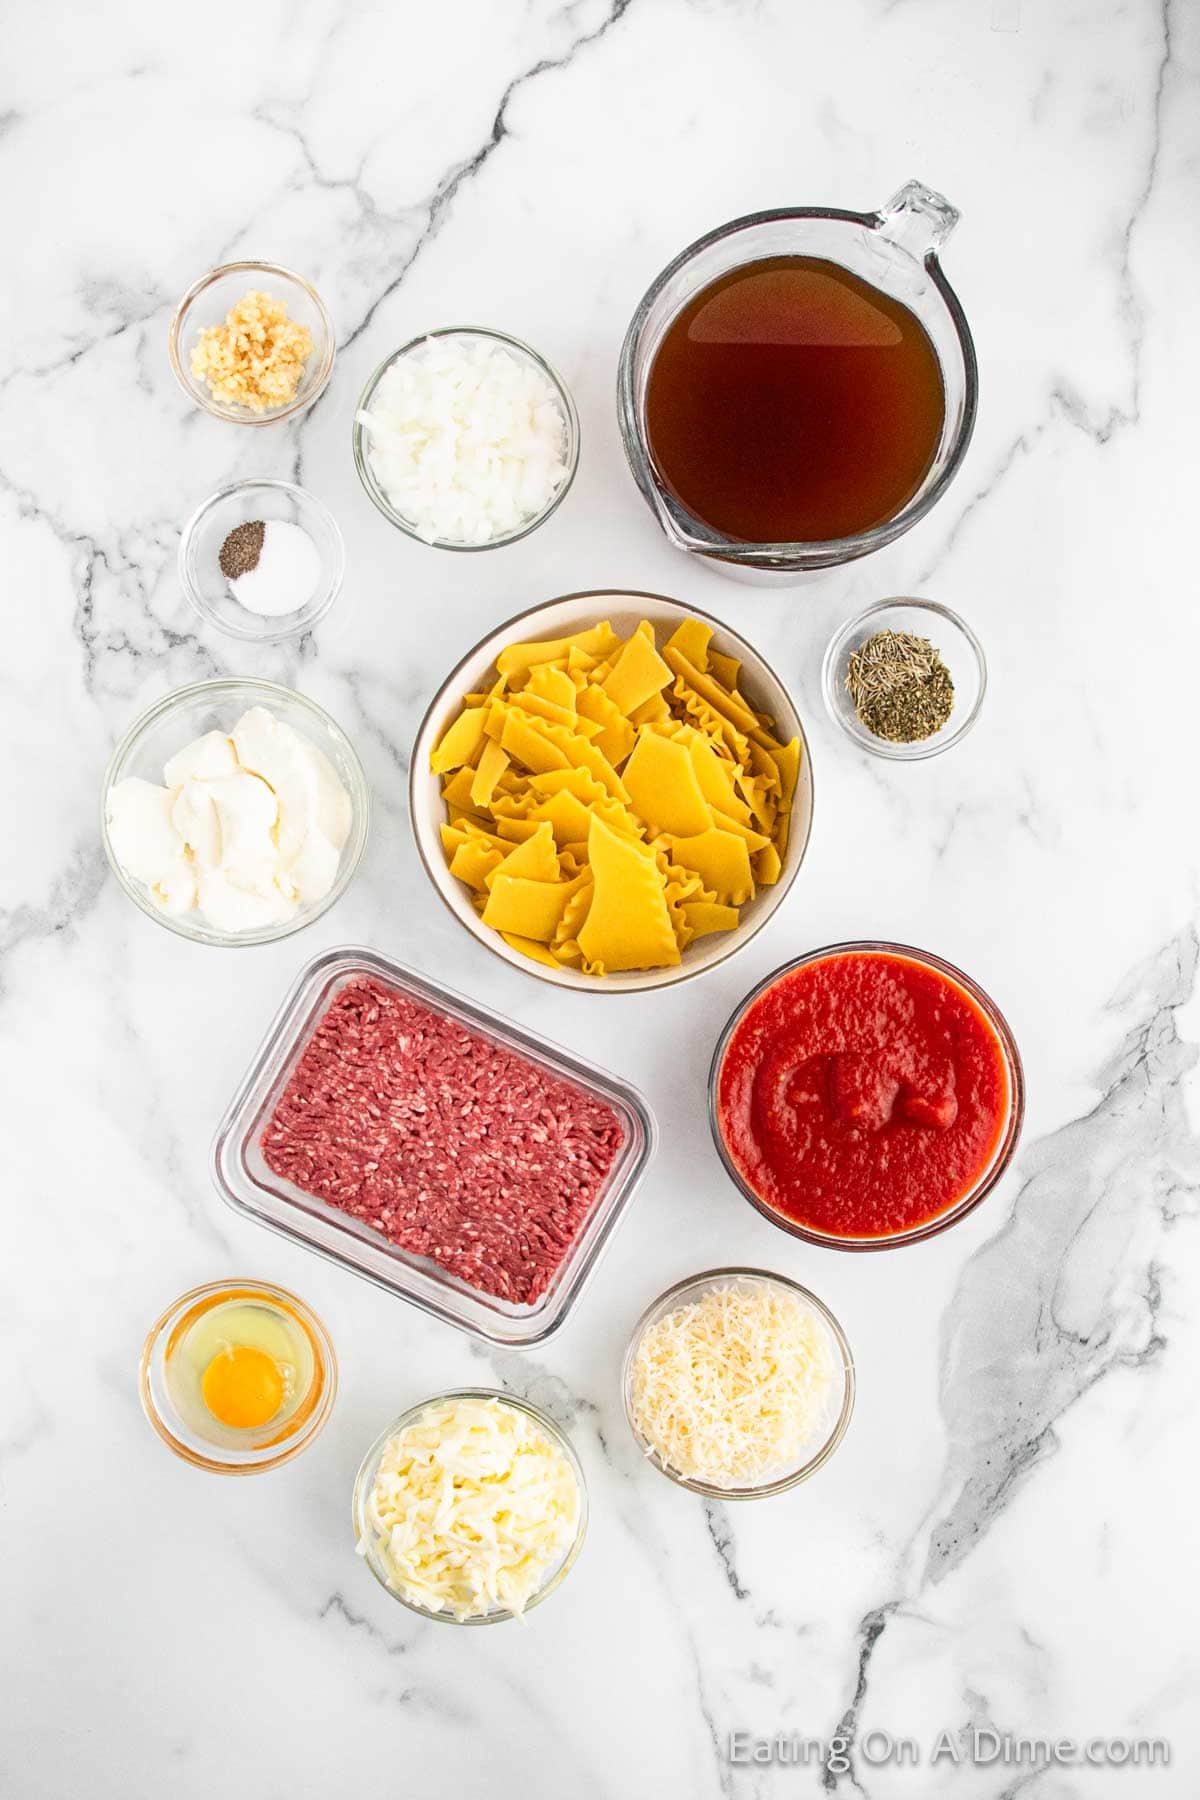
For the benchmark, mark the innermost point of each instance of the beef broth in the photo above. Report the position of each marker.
(792, 402)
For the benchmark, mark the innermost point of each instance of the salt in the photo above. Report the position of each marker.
(286, 575)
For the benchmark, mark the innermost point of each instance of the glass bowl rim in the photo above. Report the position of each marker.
(842, 549)
(314, 1424)
(306, 498)
(707, 1278)
(923, 748)
(371, 486)
(797, 848)
(1005, 1149)
(327, 351)
(366, 1471)
(360, 800)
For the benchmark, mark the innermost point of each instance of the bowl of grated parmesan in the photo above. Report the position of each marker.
(738, 1383)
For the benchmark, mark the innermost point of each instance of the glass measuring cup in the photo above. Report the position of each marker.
(895, 250)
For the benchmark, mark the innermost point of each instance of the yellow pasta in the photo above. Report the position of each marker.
(461, 743)
(535, 857)
(662, 785)
(722, 862)
(527, 908)
(705, 916)
(609, 802)
(492, 763)
(474, 861)
(627, 926)
(638, 673)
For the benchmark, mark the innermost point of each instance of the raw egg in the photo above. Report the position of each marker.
(240, 1369)
(242, 1386)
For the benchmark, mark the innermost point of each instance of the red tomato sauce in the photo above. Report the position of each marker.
(863, 1094)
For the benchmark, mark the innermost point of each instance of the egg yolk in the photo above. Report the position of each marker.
(242, 1386)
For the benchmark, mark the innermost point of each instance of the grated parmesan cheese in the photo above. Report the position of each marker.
(467, 439)
(473, 1508)
(731, 1388)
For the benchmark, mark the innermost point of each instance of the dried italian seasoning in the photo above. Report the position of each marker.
(900, 687)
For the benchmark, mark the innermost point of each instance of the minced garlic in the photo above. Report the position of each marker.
(256, 358)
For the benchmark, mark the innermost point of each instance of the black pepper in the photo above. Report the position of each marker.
(241, 550)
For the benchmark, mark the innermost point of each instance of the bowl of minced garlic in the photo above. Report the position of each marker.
(252, 343)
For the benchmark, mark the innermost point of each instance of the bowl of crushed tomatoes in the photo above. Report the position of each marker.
(866, 1095)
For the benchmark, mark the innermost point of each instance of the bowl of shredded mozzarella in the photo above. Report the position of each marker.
(738, 1383)
(471, 1507)
(466, 439)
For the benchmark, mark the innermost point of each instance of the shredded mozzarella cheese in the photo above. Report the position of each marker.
(473, 1508)
(467, 441)
(729, 1389)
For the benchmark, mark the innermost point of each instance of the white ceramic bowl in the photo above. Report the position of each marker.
(559, 618)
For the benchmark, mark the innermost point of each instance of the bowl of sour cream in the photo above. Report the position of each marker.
(235, 811)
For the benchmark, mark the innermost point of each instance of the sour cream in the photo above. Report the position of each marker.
(248, 828)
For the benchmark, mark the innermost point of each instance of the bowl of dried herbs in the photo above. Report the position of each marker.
(905, 679)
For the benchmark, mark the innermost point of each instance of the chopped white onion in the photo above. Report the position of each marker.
(467, 441)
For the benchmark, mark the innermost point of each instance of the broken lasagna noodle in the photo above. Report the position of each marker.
(609, 802)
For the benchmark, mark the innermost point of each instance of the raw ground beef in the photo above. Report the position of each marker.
(451, 1146)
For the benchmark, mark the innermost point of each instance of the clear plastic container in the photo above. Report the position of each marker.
(244, 1180)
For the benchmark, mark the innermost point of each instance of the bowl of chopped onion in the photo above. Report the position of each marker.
(466, 439)
(738, 1384)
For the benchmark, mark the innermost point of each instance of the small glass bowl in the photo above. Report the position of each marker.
(200, 545)
(208, 301)
(824, 1440)
(305, 1424)
(364, 1534)
(1001, 1156)
(178, 718)
(523, 352)
(950, 636)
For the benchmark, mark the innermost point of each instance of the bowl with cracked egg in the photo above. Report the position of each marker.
(235, 812)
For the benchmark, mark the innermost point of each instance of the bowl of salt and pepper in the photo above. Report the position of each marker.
(262, 560)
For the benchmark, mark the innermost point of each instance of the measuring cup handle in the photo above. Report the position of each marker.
(918, 220)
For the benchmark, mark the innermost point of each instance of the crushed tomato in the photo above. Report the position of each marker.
(863, 1094)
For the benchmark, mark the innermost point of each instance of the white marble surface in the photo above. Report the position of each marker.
(1009, 1535)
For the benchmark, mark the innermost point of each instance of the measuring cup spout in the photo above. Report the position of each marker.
(666, 518)
(917, 220)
